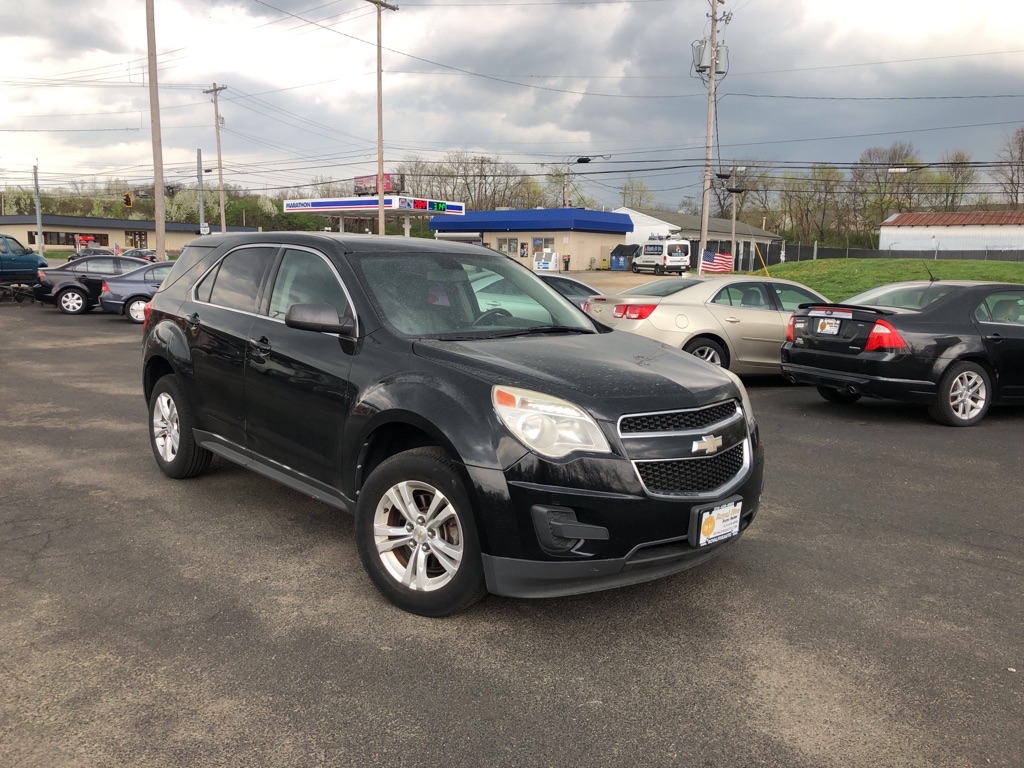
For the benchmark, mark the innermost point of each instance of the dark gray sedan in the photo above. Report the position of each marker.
(128, 294)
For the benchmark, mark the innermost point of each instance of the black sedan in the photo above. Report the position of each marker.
(75, 287)
(574, 290)
(81, 253)
(148, 254)
(955, 346)
(127, 294)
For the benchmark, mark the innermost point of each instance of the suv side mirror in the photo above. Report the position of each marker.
(322, 318)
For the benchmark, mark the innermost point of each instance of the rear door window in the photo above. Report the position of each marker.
(235, 284)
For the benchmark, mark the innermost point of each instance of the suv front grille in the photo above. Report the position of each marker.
(692, 476)
(677, 421)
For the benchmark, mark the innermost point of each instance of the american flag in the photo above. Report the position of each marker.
(117, 249)
(716, 262)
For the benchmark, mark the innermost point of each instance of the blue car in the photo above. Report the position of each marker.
(128, 294)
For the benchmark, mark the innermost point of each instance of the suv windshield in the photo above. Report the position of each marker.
(459, 295)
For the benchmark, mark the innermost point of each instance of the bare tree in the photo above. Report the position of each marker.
(636, 193)
(885, 181)
(949, 187)
(1009, 174)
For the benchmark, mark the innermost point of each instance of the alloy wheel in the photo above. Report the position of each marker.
(166, 429)
(967, 395)
(418, 536)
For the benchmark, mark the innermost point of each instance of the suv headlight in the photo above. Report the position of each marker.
(547, 425)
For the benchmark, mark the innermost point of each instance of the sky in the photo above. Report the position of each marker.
(535, 83)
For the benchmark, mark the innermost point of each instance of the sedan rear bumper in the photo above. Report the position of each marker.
(888, 388)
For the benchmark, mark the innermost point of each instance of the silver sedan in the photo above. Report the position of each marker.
(735, 321)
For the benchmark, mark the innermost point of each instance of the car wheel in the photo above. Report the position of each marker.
(416, 535)
(709, 351)
(135, 309)
(635, 268)
(170, 432)
(964, 395)
(838, 396)
(72, 302)
(658, 270)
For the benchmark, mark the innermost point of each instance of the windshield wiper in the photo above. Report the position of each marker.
(540, 329)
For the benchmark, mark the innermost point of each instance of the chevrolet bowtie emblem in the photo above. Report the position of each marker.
(709, 444)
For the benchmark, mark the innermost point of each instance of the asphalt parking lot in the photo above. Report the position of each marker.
(871, 616)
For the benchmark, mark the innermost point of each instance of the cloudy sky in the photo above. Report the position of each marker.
(531, 82)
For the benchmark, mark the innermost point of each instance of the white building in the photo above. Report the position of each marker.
(975, 231)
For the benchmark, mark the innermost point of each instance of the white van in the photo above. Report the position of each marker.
(663, 256)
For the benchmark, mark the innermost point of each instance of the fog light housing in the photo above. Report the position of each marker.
(559, 531)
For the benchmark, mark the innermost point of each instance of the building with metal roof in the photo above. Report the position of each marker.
(544, 235)
(958, 231)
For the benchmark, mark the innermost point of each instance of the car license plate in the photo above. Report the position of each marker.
(717, 523)
(828, 326)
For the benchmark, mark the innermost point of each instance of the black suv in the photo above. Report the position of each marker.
(517, 448)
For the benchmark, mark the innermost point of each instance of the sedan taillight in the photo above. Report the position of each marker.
(104, 288)
(791, 329)
(883, 336)
(145, 314)
(633, 311)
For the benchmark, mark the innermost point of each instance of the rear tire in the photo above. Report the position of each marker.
(72, 302)
(135, 309)
(170, 432)
(838, 396)
(965, 393)
(416, 535)
(709, 351)
(659, 270)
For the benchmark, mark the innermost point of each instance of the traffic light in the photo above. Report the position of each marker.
(127, 199)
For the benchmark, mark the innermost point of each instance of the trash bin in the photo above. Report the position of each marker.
(619, 262)
(604, 262)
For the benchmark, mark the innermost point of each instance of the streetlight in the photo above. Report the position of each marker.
(734, 191)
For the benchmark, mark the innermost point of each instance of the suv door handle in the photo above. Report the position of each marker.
(994, 337)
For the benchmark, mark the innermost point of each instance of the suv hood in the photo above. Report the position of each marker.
(607, 373)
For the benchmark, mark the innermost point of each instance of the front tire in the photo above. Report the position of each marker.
(838, 396)
(72, 302)
(709, 351)
(635, 269)
(416, 535)
(964, 395)
(170, 432)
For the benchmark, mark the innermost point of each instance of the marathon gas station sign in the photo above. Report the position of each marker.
(404, 204)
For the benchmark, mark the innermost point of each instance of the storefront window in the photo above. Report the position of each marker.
(509, 245)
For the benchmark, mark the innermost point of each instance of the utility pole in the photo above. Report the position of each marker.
(39, 209)
(220, 165)
(159, 204)
(381, 5)
(705, 204)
